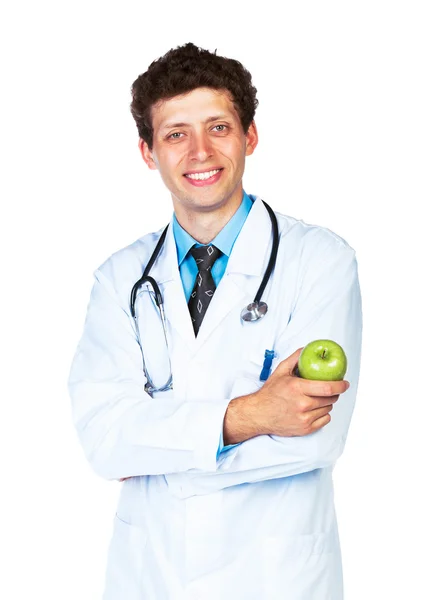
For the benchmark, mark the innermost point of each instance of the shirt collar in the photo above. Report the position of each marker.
(225, 239)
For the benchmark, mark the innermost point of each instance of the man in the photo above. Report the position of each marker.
(227, 487)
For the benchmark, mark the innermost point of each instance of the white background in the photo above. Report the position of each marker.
(339, 124)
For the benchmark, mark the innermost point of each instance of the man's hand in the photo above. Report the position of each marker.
(291, 406)
(285, 405)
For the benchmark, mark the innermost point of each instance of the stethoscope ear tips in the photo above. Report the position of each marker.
(254, 311)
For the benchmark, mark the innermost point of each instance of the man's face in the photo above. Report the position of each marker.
(200, 132)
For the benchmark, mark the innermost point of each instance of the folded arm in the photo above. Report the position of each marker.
(329, 307)
(125, 433)
(122, 430)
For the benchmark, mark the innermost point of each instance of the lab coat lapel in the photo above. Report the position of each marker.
(166, 273)
(241, 280)
(244, 271)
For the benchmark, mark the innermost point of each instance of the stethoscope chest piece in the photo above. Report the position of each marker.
(254, 311)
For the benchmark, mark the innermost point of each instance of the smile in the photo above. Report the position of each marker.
(203, 176)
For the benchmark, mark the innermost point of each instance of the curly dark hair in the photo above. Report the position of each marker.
(184, 69)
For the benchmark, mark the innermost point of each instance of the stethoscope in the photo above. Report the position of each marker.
(254, 311)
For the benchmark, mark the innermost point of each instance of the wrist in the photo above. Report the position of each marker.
(240, 422)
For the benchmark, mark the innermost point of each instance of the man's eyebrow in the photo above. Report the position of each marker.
(208, 120)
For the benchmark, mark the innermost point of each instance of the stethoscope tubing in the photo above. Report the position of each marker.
(158, 296)
(274, 253)
(145, 277)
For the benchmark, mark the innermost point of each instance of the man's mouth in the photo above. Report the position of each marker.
(202, 176)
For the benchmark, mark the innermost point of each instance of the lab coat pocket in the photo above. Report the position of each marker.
(248, 379)
(301, 566)
(125, 561)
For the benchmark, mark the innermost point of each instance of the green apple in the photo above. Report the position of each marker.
(323, 360)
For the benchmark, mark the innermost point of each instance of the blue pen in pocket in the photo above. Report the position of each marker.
(267, 364)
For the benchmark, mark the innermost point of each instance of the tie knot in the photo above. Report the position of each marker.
(205, 256)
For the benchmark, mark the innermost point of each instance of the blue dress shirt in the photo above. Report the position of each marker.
(224, 241)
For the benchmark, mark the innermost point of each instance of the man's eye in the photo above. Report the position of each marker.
(224, 127)
(175, 135)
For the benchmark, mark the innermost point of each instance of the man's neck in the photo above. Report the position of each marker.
(203, 225)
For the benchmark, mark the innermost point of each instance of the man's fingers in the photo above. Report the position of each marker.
(322, 401)
(323, 388)
(321, 422)
(287, 366)
(319, 412)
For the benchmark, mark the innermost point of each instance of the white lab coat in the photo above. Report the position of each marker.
(259, 522)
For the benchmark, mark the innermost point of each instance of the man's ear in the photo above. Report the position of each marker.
(252, 138)
(146, 154)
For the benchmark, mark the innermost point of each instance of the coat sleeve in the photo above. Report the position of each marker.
(122, 430)
(328, 307)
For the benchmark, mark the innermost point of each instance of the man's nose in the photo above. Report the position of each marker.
(201, 146)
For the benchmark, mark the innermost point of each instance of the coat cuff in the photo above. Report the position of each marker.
(208, 434)
(223, 448)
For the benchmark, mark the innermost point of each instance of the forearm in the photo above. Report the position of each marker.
(123, 431)
(269, 456)
(129, 436)
(240, 421)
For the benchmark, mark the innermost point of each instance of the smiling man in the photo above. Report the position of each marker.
(199, 148)
(185, 393)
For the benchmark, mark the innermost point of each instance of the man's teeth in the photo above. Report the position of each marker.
(202, 175)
